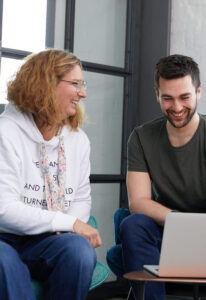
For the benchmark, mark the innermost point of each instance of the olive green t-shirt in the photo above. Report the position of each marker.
(178, 174)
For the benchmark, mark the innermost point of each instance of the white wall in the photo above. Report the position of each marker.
(188, 36)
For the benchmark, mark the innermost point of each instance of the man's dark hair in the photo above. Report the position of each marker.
(176, 66)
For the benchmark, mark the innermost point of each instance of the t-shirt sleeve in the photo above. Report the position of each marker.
(135, 154)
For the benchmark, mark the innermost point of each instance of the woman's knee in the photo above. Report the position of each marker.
(86, 251)
(79, 248)
(9, 258)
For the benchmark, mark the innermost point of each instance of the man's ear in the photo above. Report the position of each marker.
(157, 96)
(199, 90)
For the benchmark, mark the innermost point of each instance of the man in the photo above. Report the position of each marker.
(169, 154)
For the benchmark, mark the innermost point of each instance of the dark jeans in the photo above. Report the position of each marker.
(64, 263)
(141, 240)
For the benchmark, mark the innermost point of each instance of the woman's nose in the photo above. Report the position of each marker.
(82, 92)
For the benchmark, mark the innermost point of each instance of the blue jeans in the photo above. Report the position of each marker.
(141, 241)
(64, 263)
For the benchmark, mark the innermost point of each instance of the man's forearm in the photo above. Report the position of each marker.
(151, 208)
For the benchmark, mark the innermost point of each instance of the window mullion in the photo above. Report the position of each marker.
(50, 23)
(69, 26)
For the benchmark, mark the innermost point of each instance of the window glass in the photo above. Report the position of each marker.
(104, 109)
(100, 31)
(24, 24)
(105, 200)
(8, 69)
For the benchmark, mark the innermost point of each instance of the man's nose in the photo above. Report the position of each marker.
(177, 106)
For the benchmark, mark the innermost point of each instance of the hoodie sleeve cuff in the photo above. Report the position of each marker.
(63, 222)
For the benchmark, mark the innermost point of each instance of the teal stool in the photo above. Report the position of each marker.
(100, 274)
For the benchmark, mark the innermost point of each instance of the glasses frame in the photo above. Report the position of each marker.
(78, 85)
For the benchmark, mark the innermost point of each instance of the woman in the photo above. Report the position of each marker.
(45, 191)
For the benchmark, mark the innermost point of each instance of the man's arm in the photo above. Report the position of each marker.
(139, 193)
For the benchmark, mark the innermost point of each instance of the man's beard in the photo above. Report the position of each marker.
(188, 118)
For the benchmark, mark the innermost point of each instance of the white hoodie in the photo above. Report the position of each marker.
(23, 207)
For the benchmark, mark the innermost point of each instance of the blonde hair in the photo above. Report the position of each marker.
(34, 87)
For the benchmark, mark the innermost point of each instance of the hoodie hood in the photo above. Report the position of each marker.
(26, 123)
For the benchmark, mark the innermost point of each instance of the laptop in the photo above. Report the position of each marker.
(183, 250)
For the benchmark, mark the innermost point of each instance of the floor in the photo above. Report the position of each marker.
(168, 298)
(107, 291)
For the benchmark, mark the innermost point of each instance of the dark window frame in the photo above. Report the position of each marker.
(103, 69)
(146, 20)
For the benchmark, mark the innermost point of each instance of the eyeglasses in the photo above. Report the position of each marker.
(77, 84)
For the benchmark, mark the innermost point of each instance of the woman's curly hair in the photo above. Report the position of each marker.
(34, 86)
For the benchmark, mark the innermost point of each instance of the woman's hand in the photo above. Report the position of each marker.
(90, 233)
